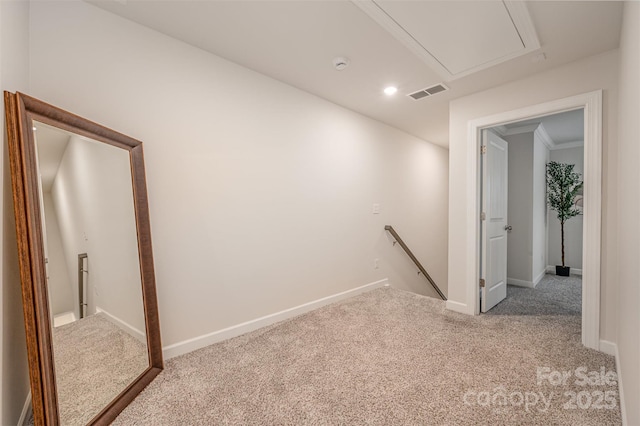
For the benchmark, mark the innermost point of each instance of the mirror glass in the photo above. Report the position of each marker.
(93, 273)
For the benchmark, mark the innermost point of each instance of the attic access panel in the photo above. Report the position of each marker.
(457, 38)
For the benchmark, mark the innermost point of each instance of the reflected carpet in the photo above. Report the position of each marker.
(95, 360)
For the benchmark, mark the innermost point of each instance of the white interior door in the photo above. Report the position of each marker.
(494, 223)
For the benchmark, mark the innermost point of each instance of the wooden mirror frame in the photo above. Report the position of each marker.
(21, 110)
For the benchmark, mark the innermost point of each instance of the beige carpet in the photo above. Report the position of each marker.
(95, 360)
(386, 357)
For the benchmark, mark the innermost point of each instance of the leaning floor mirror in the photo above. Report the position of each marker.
(86, 265)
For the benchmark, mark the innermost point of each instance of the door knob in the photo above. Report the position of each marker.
(508, 228)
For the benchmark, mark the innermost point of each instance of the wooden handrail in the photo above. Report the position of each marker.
(424, 272)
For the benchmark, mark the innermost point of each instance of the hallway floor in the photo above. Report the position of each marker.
(389, 357)
(554, 295)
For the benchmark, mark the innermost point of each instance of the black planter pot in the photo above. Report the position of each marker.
(563, 271)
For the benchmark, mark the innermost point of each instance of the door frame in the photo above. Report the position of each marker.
(591, 103)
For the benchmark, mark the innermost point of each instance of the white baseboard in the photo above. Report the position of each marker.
(26, 410)
(458, 307)
(574, 271)
(528, 284)
(199, 342)
(124, 326)
(539, 278)
(520, 283)
(611, 348)
(608, 347)
(64, 319)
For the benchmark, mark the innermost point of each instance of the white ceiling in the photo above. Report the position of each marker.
(295, 42)
(51, 143)
(563, 128)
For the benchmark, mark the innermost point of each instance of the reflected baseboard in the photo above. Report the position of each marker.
(123, 325)
(199, 342)
(63, 319)
(27, 411)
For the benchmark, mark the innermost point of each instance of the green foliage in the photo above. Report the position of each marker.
(563, 185)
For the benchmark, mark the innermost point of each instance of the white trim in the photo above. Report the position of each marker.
(521, 283)
(567, 145)
(500, 130)
(611, 348)
(529, 128)
(458, 307)
(64, 319)
(199, 342)
(542, 134)
(539, 278)
(522, 20)
(623, 408)
(592, 105)
(551, 269)
(26, 410)
(608, 347)
(124, 326)
(536, 281)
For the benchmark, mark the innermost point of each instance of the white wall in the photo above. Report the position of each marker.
(14, 70)
(573, 226)
(93, 199)
(526, 259)
(260, 194)
(628, 212)
(593, 73)
(539, 216)
(520, 208)
(61, 296)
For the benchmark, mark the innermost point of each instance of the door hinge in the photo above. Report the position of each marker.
(481, 282)
(483, 149)
(483, 216)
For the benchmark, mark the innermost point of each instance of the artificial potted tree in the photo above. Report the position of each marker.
(563, 185)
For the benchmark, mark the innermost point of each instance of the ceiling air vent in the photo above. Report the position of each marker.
(428, 91)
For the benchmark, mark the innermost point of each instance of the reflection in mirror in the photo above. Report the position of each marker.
(92, 269)
(86, 263)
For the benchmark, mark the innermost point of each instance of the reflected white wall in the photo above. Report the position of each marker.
(93, 199)
(61, 296)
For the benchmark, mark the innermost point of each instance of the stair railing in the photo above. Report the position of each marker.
(421, 269)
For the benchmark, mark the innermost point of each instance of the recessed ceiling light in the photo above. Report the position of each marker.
(391, 90)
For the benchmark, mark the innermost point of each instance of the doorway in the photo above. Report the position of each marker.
(591, 256)
(521, 242)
